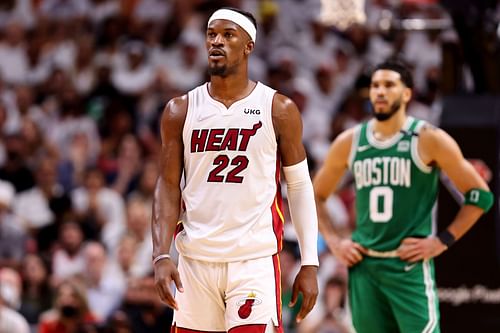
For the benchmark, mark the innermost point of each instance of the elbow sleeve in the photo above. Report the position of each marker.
(303, 210)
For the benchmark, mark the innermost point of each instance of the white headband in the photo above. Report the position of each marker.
(240, 19)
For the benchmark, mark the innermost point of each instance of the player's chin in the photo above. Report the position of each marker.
(216, 62)
(381, 109)
(216, 69)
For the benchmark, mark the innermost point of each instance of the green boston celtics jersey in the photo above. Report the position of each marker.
(395, 190)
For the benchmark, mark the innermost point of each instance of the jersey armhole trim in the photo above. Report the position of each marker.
(270, 96)
(414, 150)
(354, 145)
(186, 127)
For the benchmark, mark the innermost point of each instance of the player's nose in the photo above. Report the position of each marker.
(380, 92)
(218, 40)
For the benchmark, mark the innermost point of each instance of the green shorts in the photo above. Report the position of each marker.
(388, 295)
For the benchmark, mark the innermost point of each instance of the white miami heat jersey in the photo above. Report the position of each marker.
(231, 196)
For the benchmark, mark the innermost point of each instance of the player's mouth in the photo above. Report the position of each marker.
(381, 102)
(216, 54)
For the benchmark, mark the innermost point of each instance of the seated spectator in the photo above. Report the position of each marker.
(45, 205)
(144, 307)
(105, 285)
(68, 259)
(10, 290)
(72, 121)
(128, 165)
(100, 209)
(139, 226)
(15, 169)
(119, 323)
(33, 205)
(147, 183)
(13, 56)
(10, 287)
(70, 312)
(37, 293)
(13, 238)
(136, 74)
(126, 254)
(37, 146)
(335, 319)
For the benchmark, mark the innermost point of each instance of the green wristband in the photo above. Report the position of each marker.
(480, 198)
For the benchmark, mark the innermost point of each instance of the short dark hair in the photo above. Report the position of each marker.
(398, 66)
(245, 13)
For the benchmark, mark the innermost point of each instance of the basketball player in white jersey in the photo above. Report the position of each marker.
(231, 137)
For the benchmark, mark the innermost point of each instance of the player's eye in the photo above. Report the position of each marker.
(228, 35)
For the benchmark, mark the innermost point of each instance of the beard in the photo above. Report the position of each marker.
(384, 116)
(218, 71)
(222, 70)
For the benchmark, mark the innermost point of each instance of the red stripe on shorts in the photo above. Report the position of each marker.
(277, 282)
(251, 328)
(175, 329)
(277, 210)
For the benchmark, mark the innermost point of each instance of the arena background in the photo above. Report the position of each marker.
(82, 86)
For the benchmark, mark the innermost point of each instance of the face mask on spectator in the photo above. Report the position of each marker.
(10, 295)
(69, 311)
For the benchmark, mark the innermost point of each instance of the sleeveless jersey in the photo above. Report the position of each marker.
(395, 190)
(231, 167)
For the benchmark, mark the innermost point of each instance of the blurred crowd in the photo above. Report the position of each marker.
(82, 86)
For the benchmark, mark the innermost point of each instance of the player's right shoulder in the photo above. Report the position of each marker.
(340, 149)
(345, 138)
(175, 112)
(176, 106)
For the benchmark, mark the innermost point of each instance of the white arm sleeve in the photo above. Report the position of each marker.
(303, 211)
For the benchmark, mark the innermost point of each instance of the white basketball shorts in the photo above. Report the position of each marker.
(222, 296)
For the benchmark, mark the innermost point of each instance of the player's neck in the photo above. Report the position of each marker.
(391, 126)
(229, 89)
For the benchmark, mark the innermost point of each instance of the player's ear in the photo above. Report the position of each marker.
(250, 45)
(407, 93)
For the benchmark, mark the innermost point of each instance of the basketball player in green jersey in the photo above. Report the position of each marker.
(395, 160)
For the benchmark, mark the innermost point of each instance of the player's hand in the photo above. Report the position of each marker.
(417, 249)
(165, 273)
(348, 252)
(306, 282)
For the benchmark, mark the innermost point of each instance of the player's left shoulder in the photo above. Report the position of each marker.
(282, 102)
(286, 117)
(430, 133)
(284, 108)
(434, 139)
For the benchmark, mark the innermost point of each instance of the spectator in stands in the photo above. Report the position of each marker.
(100, 209)
(13, 238)
(144, 308)
(129, 163)
(44, 206)
(70, 312)
(10, 293)
(139, 227)
(147, 182)
(68, 259)
(37, 291)
(335, 319)
(104, 283)
(15, 169)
